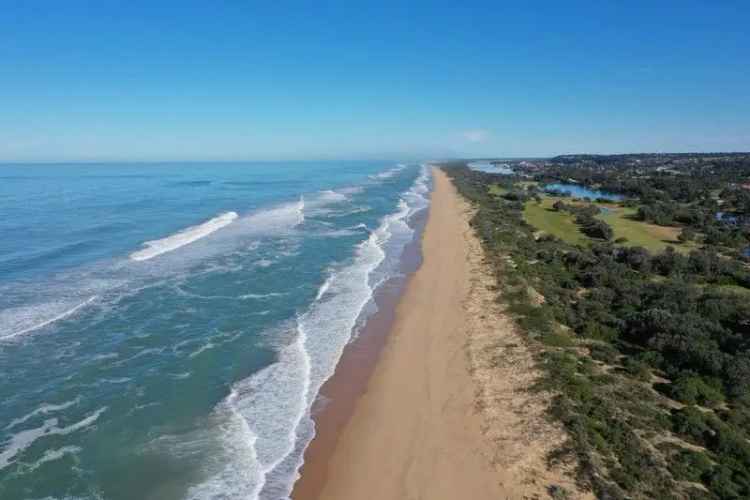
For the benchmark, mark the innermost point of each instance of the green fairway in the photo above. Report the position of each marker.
(649, 236)
(497, 190)
(562, 225)
(559, 224)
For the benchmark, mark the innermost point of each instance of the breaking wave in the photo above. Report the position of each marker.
(184, 237)
(18, 316)
(265, 422)
(388, 173)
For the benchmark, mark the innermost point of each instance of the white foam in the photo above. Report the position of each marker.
(325, 202)
(44, 409)
(387, 174)
(260, 296)
(324, 287)
(351, 190)
(52, 455)
(184, 237)
(80, 424)
(268, 416)
(23, 439)
(204, 347)
(333, 213)
(106, 356)
(270, 221)
(329, 196)
(68, 292)
(18, 315)
(215, 341)
(341, 233)
(116, 380)
(301, 210)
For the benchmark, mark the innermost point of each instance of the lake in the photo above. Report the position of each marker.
(491, 168)
(577, 191)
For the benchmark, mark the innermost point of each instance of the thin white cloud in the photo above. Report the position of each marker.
(476, 136)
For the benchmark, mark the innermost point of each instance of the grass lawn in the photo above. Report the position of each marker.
(562, 225)
(497, 190)
(547, 220)
(649, 236)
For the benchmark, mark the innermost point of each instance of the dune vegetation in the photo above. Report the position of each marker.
(645, 341)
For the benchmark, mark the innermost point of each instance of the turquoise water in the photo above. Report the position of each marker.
(165, 328)
(577, 191)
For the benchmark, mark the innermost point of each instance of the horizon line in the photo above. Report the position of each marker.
(394, 158)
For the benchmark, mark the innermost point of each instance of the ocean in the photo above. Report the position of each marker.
(165, 328)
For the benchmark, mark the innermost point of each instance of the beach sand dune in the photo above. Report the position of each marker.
(446, 414)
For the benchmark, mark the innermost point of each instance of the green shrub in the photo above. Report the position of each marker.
(688, 465)
(555, 339)
(637, 369)
(604, 352)
(630, 301)
(692, 389)
(721, 484)
(598, 331)
(536, 319)
(692, 423)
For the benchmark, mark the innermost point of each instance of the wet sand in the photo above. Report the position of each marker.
(422, 425)
(340, 393)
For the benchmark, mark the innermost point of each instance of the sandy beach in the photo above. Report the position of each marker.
(445, 413)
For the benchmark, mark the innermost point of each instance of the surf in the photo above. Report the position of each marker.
(269, 415)
(258, 311)
(49, 321)
(185, 237)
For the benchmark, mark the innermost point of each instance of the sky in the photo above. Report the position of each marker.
(252, 80)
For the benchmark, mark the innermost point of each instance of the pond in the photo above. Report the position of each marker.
(577, 191)
(491, 168)
(727, 218)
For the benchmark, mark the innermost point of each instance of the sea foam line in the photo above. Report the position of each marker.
(349, 289)
(23, 439)
(52, 455)
(270, 412)
(184, 237)
(43, 409)
(389, 173)
(60, 316)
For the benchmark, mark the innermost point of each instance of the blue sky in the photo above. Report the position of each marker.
(249, 80)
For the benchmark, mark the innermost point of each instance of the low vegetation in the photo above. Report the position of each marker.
(646, 348)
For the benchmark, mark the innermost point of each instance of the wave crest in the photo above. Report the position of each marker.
(184, 237)
(268, 416)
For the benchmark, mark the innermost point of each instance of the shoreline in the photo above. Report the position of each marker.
(338, 396)
(418, 418)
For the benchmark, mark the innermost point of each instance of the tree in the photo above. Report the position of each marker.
(596, 228)
(687, 234)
